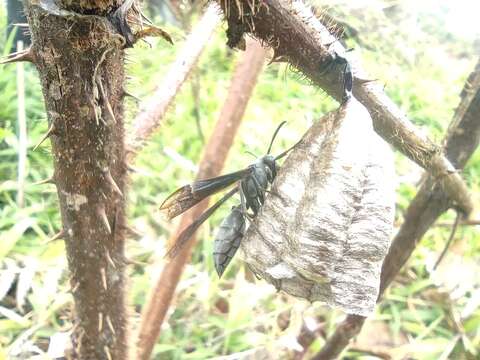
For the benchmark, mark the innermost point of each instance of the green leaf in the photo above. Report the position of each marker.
(9, 238)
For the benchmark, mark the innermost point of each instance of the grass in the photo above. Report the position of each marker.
(421, 313)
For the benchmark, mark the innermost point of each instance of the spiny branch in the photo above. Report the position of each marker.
(297, 36)
(24, 55)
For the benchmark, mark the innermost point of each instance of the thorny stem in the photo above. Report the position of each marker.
(299, 38)
(80, 62)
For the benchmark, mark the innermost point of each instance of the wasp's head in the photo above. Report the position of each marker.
(270, 167)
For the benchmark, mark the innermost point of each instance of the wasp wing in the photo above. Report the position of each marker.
(187, 233)
(189, 195)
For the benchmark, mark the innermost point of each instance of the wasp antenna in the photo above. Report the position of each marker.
(288, 150)
(251, 153)
(275, 135)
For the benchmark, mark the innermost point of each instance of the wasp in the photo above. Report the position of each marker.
(332, 62)
(252, 183)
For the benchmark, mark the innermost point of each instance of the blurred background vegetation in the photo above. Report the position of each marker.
(423, 62)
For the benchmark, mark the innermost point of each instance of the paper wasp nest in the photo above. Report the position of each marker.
(325, 235)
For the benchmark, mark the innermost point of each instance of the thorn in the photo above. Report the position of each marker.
(75, 288)
(49, 132)
(111, 181)
(74, 327)
(109, 259)
(277, 58)
(133, 232)
(20, 24)
(103, 216)
(107, 351)
(80, 338)
(126, 93)
(110, 325)
(132, 169)
(57, 236)
(100, 322)
(131, 150)
(104, 278)
(103, 94)
(127, 261)
(25, 55)
(153, 31)
(364, 81)
(49, 180)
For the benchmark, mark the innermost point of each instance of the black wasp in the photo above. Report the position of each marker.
(252, 183)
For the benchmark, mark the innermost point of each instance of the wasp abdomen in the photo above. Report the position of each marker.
(228, 239)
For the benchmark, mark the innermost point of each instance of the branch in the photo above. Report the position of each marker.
(299, 38)
(465, 222)
(213, 158)
(149, 119)
(349, 328)
(85, 116)
(430, 202)
(22, 55)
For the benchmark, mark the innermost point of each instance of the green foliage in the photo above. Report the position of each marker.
(212, 317)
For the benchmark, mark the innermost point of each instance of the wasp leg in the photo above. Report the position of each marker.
(249, 217)
(251, 195)
(260, 190)
(252, 270)
(346, 74)
(276, 194)
(255, 227)
(347, 80)
(244, 204)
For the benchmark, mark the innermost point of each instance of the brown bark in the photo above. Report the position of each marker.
(344, 332)
(211, 164)
(299, 38)
(429, 203)
(80, 62)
